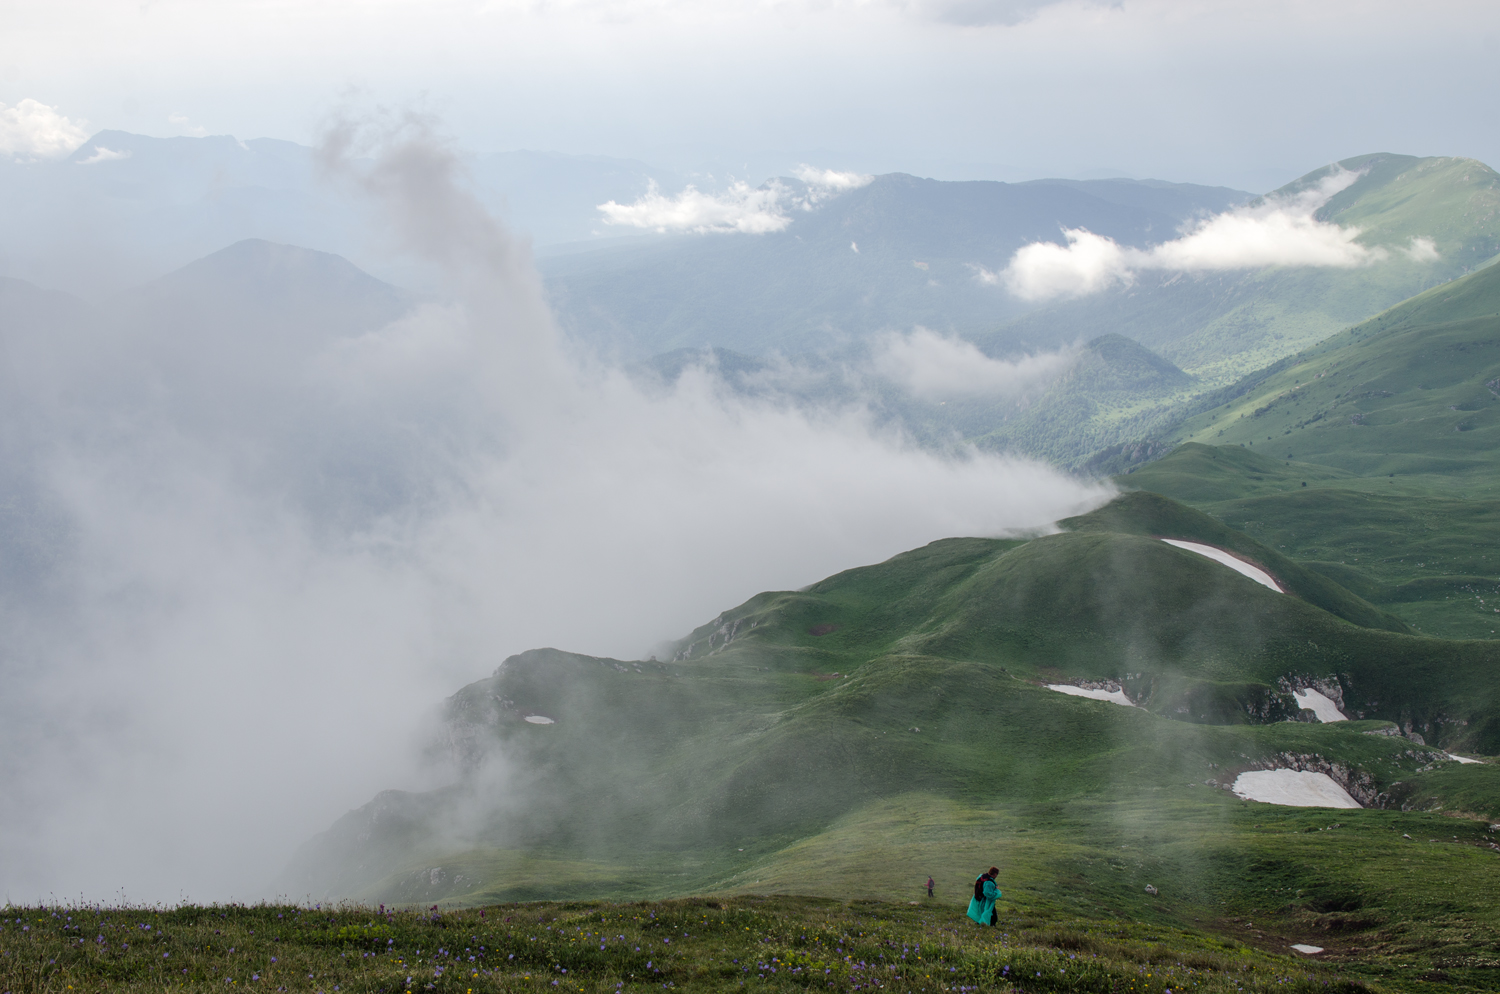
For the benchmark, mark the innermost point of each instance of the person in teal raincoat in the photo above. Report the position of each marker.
(986, 893)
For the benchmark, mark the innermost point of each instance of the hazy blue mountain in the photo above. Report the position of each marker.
(125, 208)
(27, 310)
(807, 287)
(1115, 386)
(259, 287)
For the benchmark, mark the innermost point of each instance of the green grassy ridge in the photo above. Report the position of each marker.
(1404, 393)
(752, 943)
(1424, 556)
(1197, 474)
(1455, 201)
(1099, 603)
(1371, 458)
(1147, 513)
(1115, 386)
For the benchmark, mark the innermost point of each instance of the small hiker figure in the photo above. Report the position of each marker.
(929, 886)
(986, 893)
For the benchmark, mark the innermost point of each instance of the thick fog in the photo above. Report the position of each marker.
(261, 517)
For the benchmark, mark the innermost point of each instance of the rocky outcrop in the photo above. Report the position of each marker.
(1360, 785)
(723, 632)
(1331, 687)
(469, 721)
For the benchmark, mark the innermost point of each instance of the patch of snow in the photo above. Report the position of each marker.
(1255, 573)
(1293, 789)
(537, 719)
(1320, 705)
(1304, 948)
(1114, 696)
(1460, 759)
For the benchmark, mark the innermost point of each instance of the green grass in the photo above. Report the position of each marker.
(1372, 459)
(1406, 394)
(754, 943)
(1428, 559)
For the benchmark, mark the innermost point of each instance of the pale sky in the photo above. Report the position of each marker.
(1230, 92)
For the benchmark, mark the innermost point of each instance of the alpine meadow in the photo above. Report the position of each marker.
(623, 495)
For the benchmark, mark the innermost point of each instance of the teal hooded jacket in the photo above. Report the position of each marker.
(980, 910)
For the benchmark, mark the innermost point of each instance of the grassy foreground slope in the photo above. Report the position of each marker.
(894, 721)
(743, 943)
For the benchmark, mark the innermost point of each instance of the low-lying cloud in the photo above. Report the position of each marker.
(1270, 232)
(32, 130)
(1422, 250)
(937, 367)
(260, 557)
(102, 154)
(743, 208)
(831, 179)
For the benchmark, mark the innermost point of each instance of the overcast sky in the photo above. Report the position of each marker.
(1231, 92)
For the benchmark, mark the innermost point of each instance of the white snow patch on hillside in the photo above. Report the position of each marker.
(1255, 573)
(537, 719)
(1293, 788)
(1323, 707)
(1461, 759)
(1114, 696)
(1303, 947)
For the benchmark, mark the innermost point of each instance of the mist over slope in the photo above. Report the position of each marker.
(899, 716)
(257, 508)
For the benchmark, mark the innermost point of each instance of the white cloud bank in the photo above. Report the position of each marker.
(1422, 250)
(1269, 232)
(936, 367)
(102, 154)
(32, 130)
(831, 179)
(743, 208)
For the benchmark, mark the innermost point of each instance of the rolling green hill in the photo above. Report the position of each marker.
(1115, 388)
(1411, 392)
(1371, 458)
(1429, 559)
(895, 719)
(1220, 327)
